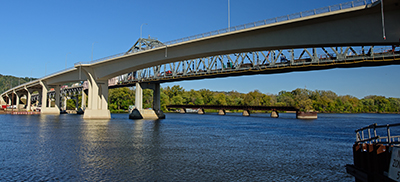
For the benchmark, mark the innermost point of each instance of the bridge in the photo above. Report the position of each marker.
(345, 35)
(246, 109)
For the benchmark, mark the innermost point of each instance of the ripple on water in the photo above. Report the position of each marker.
(180, 148)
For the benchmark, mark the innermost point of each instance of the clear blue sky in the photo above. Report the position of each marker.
(36, 36)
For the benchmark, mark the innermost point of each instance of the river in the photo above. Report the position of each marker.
(182, 147)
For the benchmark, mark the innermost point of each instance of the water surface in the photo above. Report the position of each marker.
(182, 147)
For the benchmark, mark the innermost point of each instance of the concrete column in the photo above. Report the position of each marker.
(97, 98)
(139, 97)
(44, 95)
(156, 97)
(222, 112)
(9, 99)
(16, 100)
(57, 97)
(65, 103)
(83, 102)
(2, 102)
(139, 112)
(28, 99)
(103, 89)
(46, 109)
(182, 111)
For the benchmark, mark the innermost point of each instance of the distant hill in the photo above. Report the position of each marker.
(7, 81)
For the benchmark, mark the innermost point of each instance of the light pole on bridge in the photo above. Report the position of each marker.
(229, 16)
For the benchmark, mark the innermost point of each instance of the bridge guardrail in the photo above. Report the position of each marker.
(303, 14)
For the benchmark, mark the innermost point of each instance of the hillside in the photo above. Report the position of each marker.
(7, 82)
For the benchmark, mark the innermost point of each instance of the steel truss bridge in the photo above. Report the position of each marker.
(263, 62)
(345, 35)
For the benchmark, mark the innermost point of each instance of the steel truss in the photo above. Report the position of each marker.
(260, 61)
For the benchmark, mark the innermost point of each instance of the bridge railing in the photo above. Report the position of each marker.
(375, 133)
(303, 14)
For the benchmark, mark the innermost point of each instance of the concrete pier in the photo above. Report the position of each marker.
(139, 112)
(274, 114)
(221, 112)
(97, 97)
(246, 113)
(46, 104)
(201, 111)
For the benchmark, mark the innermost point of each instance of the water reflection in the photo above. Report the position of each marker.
(179, 148)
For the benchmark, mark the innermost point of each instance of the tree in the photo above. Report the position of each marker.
(120, 98)
(220, 99)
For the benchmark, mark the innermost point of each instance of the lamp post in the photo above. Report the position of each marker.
(92, 50)
(229, 16)
(141, 26)
(66, 60)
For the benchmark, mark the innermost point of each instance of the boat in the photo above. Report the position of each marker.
(376, 153)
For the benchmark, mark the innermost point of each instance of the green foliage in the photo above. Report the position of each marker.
(306, 100)
(120, 98)
(7, 82)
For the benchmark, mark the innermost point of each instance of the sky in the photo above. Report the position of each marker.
(46, 36)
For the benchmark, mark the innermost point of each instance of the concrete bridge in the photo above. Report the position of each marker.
(339, 28)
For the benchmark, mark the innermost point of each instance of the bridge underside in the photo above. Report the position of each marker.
(253, 68)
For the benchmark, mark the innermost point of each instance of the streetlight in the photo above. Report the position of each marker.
(92, 50)
(229, 16)
(141, 29)
(66, 60)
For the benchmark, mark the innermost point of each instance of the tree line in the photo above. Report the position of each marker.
(306, 100)
(8, 82)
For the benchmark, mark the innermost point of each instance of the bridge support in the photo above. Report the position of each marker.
(97, 98)
(246, 113)
(83, 101)
(46, 106)
(139, 112)
(16, 100)
(9, 99)
(274, 114)
(201, 111)
(28, 99)
(2, 102)
(182, 111)
(222, 112)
